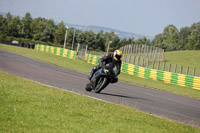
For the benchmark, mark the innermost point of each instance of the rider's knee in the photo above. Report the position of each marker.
(114, 80)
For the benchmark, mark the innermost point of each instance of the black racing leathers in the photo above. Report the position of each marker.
(107, 59)
(102, 63)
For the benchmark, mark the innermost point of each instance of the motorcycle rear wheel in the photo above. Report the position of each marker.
(101, 84)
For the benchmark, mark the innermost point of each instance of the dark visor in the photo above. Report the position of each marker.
(118, 56)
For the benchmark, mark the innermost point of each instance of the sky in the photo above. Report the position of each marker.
(144, 17)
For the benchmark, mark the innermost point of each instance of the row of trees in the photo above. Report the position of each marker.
(27, 28)
(46, 31)
(188, 38)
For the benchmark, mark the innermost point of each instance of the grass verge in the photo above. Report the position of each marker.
(82, 66)
(26, 106)
(185, 58)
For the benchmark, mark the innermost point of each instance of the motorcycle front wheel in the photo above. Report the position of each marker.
(102, 82)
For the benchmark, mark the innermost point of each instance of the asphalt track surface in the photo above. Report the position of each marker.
(163, 104)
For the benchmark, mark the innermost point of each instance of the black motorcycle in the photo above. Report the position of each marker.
(101, 78)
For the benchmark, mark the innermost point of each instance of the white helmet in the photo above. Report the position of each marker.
(117, 55)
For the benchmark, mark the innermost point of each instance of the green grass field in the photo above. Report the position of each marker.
(26, 106)
(177, 59)
(85, 67)
(185, 58)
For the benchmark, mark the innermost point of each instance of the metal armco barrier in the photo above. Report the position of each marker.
(142, 72)
(56, 51)
(25, 45)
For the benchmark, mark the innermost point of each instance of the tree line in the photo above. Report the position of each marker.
(46, 31)
(188, 38)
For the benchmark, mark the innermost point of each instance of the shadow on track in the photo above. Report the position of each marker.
(116, 95)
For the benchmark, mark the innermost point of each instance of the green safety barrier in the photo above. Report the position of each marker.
(56, 51)
(142, 72)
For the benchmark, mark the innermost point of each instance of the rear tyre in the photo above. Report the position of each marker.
(88, 87)
(101, 84)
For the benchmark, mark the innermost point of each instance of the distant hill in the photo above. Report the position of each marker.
(96, 29)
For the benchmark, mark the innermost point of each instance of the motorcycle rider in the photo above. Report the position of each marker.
(115, 58)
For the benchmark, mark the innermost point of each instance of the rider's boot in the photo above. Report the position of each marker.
(92, 71)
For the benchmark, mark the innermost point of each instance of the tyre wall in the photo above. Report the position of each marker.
(56, 51)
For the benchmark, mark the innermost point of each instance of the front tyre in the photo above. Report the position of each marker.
(101, 84)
